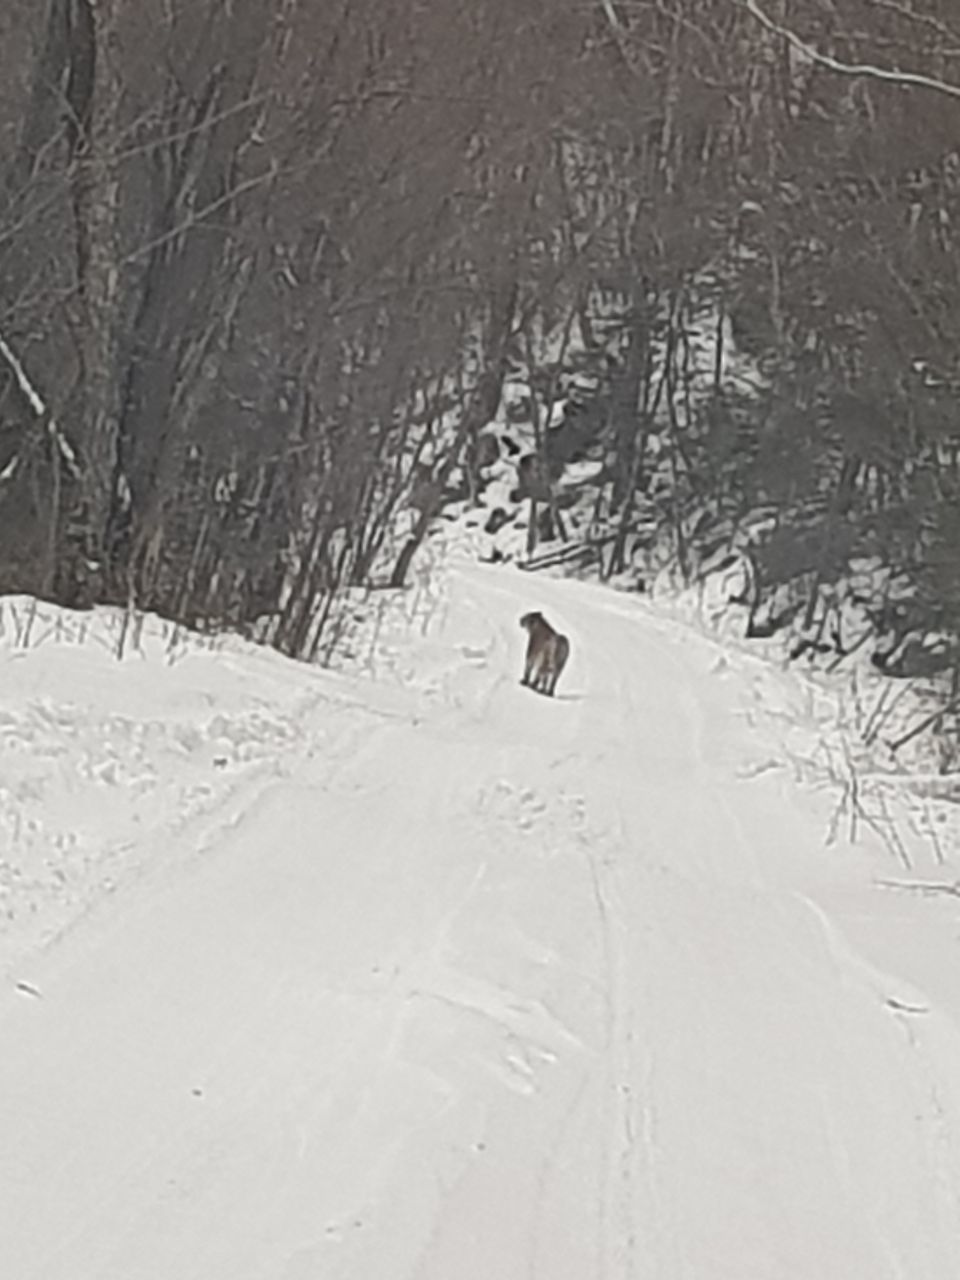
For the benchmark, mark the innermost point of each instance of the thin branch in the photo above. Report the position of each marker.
(23, 382)
(619, 33)
(922, 886)
(925, 723)
(904, 78)
(36, 402)
(922, 19)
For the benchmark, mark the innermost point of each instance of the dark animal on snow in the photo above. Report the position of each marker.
(547, 653)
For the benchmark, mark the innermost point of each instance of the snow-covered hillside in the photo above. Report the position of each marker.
(415, 975)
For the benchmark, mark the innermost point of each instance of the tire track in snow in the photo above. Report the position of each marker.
(684, 818)
(630, 1240)
(630, 1227)
(464, 968)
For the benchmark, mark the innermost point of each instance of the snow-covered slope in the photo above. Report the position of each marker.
(441, 980)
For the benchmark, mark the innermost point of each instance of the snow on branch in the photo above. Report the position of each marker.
(611, 15)
(37, 404)
(921, 19)
(23, 382)
(619, 33)
(914, 79)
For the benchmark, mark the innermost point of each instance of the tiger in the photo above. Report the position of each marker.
(547, 653)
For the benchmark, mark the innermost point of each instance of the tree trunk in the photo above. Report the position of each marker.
(44, 114)
(95, 185)
(484, 404)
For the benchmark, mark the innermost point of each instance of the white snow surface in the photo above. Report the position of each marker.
(417, 975)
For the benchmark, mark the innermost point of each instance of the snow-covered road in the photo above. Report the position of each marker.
(477, 984)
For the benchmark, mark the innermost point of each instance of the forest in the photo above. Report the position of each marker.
(266, 266)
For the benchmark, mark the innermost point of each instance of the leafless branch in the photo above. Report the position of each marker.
(925, 723)
(37, 404)
(922, 886)
(911, 79)
(23, 382)
(619, 33)
(921, 19)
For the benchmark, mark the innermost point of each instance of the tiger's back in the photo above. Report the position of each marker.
(547, 654)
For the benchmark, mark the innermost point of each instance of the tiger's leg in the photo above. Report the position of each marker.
(560, 655)
(528, 667)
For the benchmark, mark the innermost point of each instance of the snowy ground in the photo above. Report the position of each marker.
(424, 977)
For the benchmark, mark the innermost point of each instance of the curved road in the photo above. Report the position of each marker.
(490, 985)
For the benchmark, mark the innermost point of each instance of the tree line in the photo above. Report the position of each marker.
(264, 267)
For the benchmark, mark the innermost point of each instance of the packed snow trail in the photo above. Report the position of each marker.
(491, 985)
